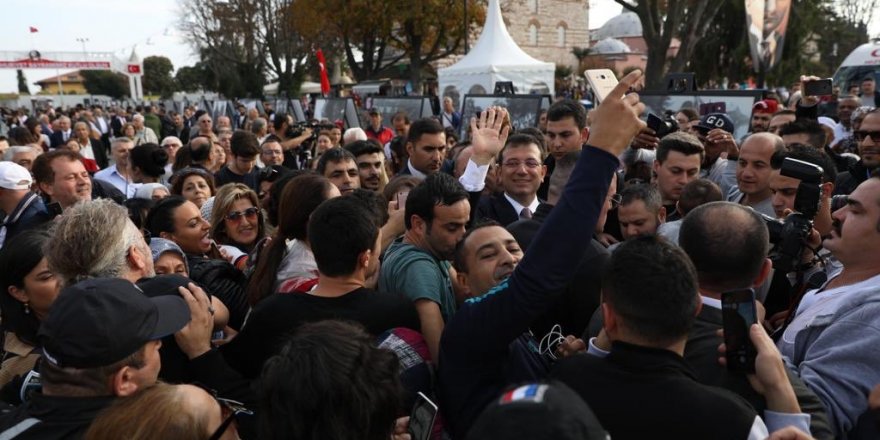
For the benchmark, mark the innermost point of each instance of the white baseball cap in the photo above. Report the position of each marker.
(14, 176)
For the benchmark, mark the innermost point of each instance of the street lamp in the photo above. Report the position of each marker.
(83, 41)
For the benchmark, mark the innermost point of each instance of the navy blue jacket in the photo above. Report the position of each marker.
(29, 213)
(475, 362)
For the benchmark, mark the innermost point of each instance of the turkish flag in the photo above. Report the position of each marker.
(325, 81)
(33, 29)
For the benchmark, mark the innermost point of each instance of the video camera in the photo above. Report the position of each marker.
(789, 236)
(662, 126)
(298, 128)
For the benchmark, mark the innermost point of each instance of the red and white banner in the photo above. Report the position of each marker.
(51, 64)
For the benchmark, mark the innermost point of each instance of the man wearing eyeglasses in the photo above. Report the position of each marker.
(868, 138)
(522, 171)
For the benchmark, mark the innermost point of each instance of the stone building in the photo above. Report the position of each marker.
(548, 29)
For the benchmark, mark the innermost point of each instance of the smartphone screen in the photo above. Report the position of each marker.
(602, 81)
(820, 87)
(738, 313)
(421, 421)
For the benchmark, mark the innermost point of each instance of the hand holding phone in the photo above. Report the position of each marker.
(602, 81)
(421, 421)
(738, 313)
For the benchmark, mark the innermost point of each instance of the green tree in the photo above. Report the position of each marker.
(192, 78)
(22, 83)
(157, 76)
(104, 82)
(663, 20)
(384, 33)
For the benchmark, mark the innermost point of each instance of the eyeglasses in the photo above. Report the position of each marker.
(516, 164)
(860, 135)
(250, 213)
(229, 409)
(615, 201)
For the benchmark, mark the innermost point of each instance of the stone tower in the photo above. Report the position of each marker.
(548, 29)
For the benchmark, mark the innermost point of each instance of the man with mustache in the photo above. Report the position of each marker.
(832, 340)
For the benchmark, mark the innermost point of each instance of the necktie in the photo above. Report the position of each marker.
(526, 213)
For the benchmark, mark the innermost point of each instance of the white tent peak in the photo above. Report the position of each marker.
(496, 58)
(495, 47)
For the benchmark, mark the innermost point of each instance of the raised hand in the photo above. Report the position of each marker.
(616, 120)
(487, 135)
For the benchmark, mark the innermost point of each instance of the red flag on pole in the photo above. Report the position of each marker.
(33, 29)
(325, 81)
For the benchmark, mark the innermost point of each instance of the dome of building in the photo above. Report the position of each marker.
(623, 25)
(609, 46)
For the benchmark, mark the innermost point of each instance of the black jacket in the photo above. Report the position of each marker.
(847, 181)
(497, 207)
(223, 280)
(581, 297)
(639, 392)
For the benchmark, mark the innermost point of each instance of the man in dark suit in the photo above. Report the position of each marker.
(639, 357)
(581, 297)
(522, 172)
(62, 135)
(727, 243)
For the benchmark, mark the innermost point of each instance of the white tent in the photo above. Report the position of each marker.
(496, 57)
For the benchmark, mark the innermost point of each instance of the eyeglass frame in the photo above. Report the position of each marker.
(861, 135)
(236, 216)
(233, 407)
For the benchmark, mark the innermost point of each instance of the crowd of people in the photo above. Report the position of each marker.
(182, 276)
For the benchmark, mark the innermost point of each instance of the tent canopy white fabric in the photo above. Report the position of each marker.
(496, 57)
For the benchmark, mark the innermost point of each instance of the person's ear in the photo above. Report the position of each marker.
(364, 258)
(699, 305)
(18, 294)
(661, 214)
(166, 235)
(585, 135)
(655, 166)
(418, 224)
(764, 273)
(609, 319)
(123, 383)
(409, 148)
(462, 278)
(136, 258)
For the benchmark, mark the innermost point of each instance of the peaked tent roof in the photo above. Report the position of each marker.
(495, 49)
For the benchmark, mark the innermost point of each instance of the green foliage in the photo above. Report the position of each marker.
(104, 82)
(22, 83)
(157, 76)
(192, 78)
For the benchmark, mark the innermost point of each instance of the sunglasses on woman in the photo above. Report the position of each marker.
(229, 409)
(250, 213)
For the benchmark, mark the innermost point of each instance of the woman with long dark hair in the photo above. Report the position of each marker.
(28, 290)
(288, 255)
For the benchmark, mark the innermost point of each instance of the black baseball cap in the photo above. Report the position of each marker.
(101, 321)
(713, 121)
(538, 411)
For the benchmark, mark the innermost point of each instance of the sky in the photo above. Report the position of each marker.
(118, 26)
